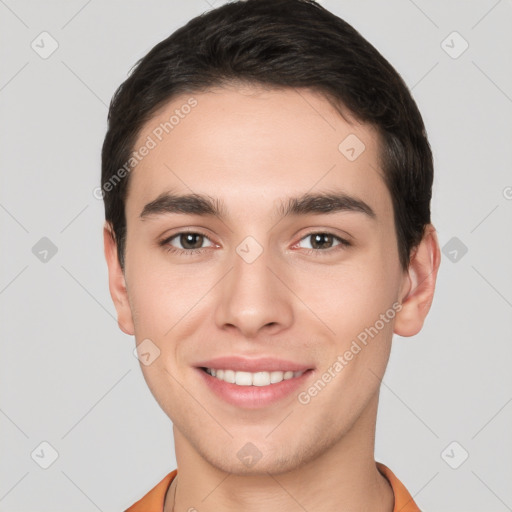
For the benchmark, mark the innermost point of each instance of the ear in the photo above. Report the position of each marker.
(418, 288)
(116, 282)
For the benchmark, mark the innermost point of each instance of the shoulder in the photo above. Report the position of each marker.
(403, 500)
(153, 500)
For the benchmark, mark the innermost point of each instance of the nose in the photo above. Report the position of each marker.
(253, 297)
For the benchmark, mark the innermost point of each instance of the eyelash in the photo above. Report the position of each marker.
(343, 244)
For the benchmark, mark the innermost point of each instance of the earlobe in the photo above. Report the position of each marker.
(116, 282)
(419, 285)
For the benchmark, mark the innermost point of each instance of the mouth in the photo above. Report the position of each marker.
(260, 378)
(253, 390)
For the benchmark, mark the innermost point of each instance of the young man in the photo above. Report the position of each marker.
(267, 183)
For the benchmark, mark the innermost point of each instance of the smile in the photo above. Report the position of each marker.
(263, 378)
(254, 390)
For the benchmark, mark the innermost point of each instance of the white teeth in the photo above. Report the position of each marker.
(243, 378)
(229, 376)
(252, 379)
(276, 377)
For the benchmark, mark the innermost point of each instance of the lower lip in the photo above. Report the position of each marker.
(253, 397)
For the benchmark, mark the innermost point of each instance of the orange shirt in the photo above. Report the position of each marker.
(153, 501)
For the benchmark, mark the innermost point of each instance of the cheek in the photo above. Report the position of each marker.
(350, 297)
(163, 295)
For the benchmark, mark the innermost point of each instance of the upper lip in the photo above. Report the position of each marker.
(243, 364)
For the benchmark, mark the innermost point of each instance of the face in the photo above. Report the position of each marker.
(250, 272)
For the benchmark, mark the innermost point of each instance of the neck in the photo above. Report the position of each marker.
(343, 477)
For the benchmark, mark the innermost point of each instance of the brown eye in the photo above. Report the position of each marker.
(191, 240)
(186, 242)
(321, 241)
(324, 242)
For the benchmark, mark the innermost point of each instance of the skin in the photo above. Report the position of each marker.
(252, 148)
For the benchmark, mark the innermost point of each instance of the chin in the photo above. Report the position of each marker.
(249, 460)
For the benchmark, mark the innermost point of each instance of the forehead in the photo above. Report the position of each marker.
(250, 147)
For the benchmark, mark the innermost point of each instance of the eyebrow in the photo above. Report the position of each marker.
(204, 205)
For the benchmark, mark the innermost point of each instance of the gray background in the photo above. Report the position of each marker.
(67, 373)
